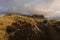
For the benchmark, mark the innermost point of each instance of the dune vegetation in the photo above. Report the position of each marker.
(20, 27)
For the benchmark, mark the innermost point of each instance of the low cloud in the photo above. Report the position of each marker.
(48, 8)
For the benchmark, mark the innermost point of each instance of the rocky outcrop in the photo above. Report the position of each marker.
(20, 27)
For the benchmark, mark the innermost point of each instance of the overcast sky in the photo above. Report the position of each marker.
(49, 8)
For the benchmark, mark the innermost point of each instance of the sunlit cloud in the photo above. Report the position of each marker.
(48, 8)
